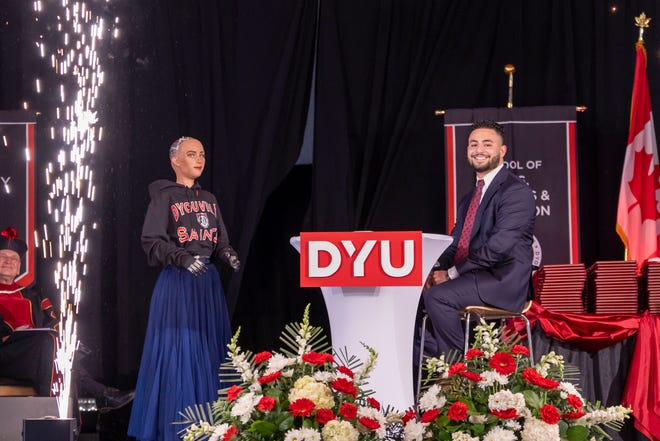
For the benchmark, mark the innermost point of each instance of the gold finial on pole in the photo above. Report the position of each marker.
(642, 21)
(509, 69)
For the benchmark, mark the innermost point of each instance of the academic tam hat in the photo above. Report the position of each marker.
(9, 241)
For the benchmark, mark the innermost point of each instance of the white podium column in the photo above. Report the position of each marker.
(382, 317)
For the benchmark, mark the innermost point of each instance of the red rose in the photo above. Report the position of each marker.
(520, 350)
(270, 377)
(457, 411)
(346, 371)
(549, 383)
(429, 416)
(473, 353)
(233, 392)
(262, 356)
(348, 411)
(324, 415)
(408, 416)
(533, 377)
(302, 407)
(373, 403)
(233, 430)
(574, 415)
(530, 375)
(456, 368)
(549, 414)
(503, 363)
(369, 423)
(574, 401)
(507, 414)
(317, 359)
(266, 403)
(345, 386)
(472, 376)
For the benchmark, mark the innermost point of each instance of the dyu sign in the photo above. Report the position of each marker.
(541, 150)
(365, 258)
(17, 149)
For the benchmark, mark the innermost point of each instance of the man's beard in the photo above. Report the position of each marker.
(491, 164)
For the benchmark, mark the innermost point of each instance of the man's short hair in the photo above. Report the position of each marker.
(488, 124)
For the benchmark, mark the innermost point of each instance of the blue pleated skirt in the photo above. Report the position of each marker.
(186, 341)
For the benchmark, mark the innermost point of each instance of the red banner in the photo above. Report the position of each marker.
(384, 258)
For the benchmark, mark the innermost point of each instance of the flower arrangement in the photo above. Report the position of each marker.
(494, 394)
(299, 394)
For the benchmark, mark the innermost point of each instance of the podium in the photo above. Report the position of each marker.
(382, 317)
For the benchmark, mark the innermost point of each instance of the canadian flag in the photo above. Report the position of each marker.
(638, 214)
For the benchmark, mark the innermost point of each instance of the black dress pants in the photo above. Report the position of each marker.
(29, 356)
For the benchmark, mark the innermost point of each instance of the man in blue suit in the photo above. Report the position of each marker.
(490, 260)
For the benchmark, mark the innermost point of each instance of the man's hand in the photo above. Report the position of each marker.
(439, 276)
(436, 277)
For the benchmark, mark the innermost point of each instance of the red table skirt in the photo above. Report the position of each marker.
(592, 332)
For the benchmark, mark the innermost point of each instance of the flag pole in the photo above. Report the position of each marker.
(509, 69)
(642, 22)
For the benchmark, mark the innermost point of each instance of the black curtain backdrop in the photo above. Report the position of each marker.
(237, 75)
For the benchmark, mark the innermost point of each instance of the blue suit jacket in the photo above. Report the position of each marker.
(500, 252)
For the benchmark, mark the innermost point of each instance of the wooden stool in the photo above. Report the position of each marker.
(10, 387)
(485, 312)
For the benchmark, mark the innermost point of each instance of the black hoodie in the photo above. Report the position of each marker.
(181, 223)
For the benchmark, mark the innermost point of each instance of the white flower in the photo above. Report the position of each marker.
(302, 346)
(536, 430)
(525, 412)
(287, 373)
(431, 398)
(278, 362)
(505, 399)
(462, 436)
(340, 375)
(302, 435)
(414, 431)
(477, 419)
(438, 366)
(363, 371)
(567, 389)
(500, 434)
(219, 432)
(337, 430)
(244, 406)
(489, 378)
(547, 361)
(600, 416)
(513, 425)
(327, 377)
(307, 387)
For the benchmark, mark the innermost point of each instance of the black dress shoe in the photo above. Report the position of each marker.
(114, 399)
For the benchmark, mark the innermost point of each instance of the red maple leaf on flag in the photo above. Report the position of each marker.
(642, 181)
